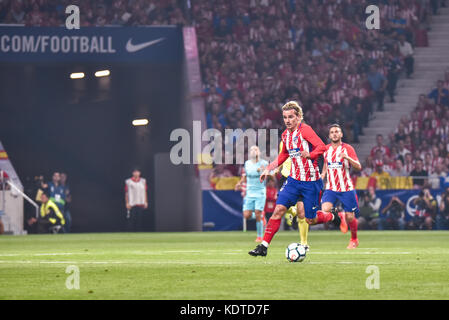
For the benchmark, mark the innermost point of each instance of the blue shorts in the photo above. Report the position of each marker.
(309, 192)
(348, 199)
(254, 203)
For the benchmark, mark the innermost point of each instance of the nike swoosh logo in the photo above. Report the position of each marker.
(136, 47)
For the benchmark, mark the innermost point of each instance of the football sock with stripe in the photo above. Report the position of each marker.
(271, 229)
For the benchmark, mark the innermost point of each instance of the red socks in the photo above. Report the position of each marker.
(353, 226)
(323, 217)
(271, 229)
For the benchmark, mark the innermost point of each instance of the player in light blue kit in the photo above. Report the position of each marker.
(254, 199)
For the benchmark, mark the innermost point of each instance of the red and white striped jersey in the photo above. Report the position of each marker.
(389, 11)
(385, 150)
(409, 15)
(362, 93)
(338, 175)
(428, 168)
(296, 142)
(352, 80)
(409, 167)
(376, 54)
(436, 161)
(337, 24)
(337, 96)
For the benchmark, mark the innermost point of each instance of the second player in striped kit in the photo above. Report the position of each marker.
(339, 157)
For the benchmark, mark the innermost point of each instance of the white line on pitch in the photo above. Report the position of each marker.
(36, 254)
(181, 251)
(97, 253)
(357, 252)
(196, 263)
(193, 263)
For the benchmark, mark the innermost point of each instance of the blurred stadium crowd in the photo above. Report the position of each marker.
(256, 54)
(419, 146)
(93, 13)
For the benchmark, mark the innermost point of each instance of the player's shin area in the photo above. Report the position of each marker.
(273, 224)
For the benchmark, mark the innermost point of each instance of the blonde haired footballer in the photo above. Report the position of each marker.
(292, 212)
(303, 226)
(303, 146)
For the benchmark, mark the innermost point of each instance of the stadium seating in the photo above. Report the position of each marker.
(315, 54)
(424, 134)
(257, 54)
(92, 12)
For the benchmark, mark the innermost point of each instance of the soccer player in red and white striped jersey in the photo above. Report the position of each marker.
(339, 157)
(338, 176)
(303, 146)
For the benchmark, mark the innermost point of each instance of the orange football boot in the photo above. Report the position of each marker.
(343, 224)
(353, 244)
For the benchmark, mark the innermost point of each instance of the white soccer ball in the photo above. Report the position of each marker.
(295, 252)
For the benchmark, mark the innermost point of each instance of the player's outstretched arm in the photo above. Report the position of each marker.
(318, 145)
(283, 155)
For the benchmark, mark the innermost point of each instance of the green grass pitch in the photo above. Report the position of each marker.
(216, 265)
